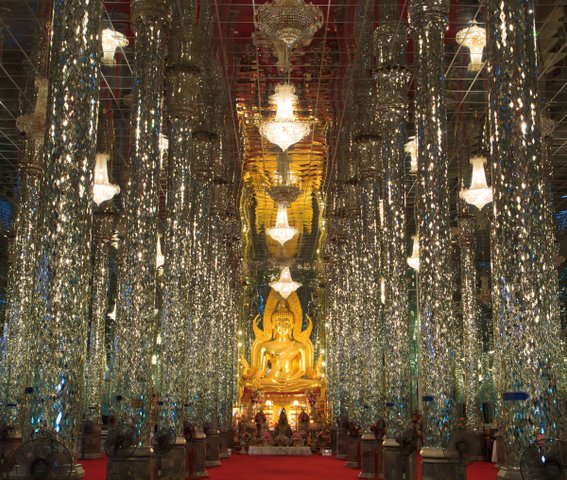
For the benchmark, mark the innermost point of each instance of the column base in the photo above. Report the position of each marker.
(341, 444)
(90, 442)
(103, 435)
(334, 440)
(196, 452)
(396, 465)
(370, 457)
(231, 438)
(223, 443)
(8, 445)
(435, 465)
(509, 473)
(135, 467)
(171, 465)
(213, 449)
(353, 452)
(77, 473)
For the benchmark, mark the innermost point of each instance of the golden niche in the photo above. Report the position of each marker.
(282, 355)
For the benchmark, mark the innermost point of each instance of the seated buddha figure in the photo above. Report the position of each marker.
(282, 354)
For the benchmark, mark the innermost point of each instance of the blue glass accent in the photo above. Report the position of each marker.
(5, 213)
(514, 396)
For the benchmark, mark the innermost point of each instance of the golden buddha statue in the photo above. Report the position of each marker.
(282, 353)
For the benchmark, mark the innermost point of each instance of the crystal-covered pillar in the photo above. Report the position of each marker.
(103, 228)
(135, 322)
(429, 22)
(547, 128)
(392, 80)
(368, 251)
(526, 324)
(182, 92)
(14, 367)
(201, 184)
(472, 345)
(371, 348)
(61, 299)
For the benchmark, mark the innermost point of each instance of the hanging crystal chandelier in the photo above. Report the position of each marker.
(160, 259)
(111, 40)
(413, 261)
(103, 190)
(284, 131)
(285, 286)
(479, 194)
(289, 21)
(474, 38)
(282, 232)
(163, 148)
(411, 148)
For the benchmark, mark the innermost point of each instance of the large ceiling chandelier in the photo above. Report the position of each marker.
(474, 38)
(282, 232)
(479, 194)
(111, 40)
(103, 190)
(411, 148)
(284, 131)
(289, 21)
(285, 286)
(413, 261)
(160, 259)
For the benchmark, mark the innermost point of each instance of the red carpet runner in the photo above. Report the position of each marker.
(245, 467)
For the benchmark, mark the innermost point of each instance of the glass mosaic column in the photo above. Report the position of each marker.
(368, 250)
(429, 22)
(198, 274)
(59, 320)
(526, 324)
(392, 80)
(136, 323)
(472, 344)
(103, 228)
(183, 78)
(14, 354)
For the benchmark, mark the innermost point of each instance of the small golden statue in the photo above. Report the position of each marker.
(281, 357)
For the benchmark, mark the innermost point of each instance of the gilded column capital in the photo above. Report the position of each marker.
(392, 86)
(220, 199)
(391, 76)
(158, 11)
(182, 94)
(184, 79)
(201, 166)
(369, 160)
(390, 39)
(103, 226)
(466, 230)
(423, 13)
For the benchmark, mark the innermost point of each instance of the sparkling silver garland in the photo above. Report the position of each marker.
(392, 80)
(96, 352)
(526, 323)
(136, 323)
(429, 22)
(61, 298)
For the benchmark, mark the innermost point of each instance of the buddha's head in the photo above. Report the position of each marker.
(282, 321)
